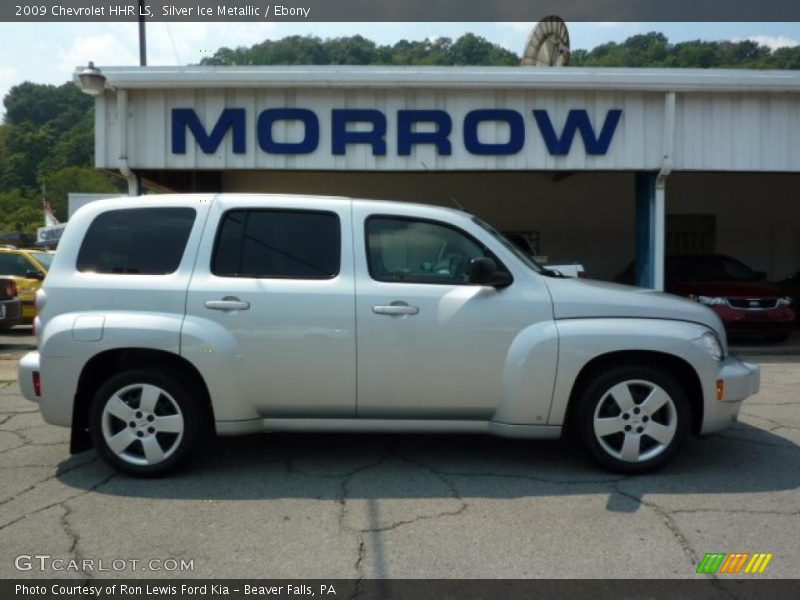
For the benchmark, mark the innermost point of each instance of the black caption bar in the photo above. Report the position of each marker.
(392, 589)
(400, 10)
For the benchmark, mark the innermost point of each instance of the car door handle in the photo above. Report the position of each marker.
(227, 303)
(396, 309)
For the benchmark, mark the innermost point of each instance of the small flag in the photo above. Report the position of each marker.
(49, 215)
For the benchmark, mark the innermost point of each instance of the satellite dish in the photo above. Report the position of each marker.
(548, 44)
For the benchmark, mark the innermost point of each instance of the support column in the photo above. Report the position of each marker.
(650, 231)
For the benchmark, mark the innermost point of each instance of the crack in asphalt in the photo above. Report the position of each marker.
(785, 446)
(534, 478)
(356, 533)
(75, 538)
(22, 442)
(757, 404)
(777, 424)
(88, 490)
(745, 511)
(680, 537)
(454, 493)
(46, 479)
(666, 518)
(358, 589)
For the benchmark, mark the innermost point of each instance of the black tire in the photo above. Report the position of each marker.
(636, 379)
(174, 390)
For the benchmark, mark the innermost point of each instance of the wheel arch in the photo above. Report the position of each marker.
(98, 368)
(683, 372)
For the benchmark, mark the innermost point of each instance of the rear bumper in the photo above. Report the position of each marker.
(28, 365)
(741, 380)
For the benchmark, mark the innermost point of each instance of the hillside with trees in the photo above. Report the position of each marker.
(47, 134)
(47, 137)
(654, 50)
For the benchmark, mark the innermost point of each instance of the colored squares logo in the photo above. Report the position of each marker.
(734, 563)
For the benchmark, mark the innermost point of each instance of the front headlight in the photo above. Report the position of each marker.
(709, 300)
(710, 342)
(785, 301)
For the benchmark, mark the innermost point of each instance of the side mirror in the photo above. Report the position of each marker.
(34, 274)
(483, 271)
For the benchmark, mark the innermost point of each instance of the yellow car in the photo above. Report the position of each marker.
(28, 268)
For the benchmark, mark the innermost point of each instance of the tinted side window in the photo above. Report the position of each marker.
(136, 241)
(15, 264)
(278, 244)
(404, 250)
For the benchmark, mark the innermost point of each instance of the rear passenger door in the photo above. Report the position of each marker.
(274, 280)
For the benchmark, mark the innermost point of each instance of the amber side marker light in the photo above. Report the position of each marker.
(720, 389)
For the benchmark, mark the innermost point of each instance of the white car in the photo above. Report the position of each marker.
(161, 317)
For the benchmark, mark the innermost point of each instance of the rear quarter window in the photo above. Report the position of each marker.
(137, 241)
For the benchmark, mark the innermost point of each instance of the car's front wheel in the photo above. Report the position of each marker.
(145, 422)
(632, 419)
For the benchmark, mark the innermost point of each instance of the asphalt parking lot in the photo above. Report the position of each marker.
(326, 506)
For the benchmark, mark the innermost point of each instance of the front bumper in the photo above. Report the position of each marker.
(741, 380)
(28, 364)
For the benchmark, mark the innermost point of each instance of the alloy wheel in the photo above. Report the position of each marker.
(635, 421)
(142, 424)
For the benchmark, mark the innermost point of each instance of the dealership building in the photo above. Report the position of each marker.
(596, 166)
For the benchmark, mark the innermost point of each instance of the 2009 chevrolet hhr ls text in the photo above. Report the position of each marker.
(163, 316)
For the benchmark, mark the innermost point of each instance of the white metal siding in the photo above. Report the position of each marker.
(725, 120)
(737, 132)
(636, 143)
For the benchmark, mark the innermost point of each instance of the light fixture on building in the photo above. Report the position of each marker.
(92, 80)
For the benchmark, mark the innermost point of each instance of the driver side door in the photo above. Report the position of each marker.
(430, 345)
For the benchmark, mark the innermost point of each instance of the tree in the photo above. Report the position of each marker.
(77, 179)
(469, 49)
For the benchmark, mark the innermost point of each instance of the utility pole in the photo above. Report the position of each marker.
(142, 37)
(142, 63)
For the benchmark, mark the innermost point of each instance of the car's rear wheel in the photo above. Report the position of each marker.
(632, 419)
(146, 423)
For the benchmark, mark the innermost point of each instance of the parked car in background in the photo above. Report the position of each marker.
(28, 269)
(521, 241)
(165, 315)
(748, 305)
(10, 304)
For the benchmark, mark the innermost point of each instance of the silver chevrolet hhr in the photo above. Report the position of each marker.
(165, 317)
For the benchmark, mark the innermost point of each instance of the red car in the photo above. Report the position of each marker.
(747, 304)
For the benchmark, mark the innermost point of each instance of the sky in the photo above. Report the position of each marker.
(49, 52)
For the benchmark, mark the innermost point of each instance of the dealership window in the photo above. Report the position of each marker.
(414, 251)
(137, 241)
(278, 244)
(691, 234)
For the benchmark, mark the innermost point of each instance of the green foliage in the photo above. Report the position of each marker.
(469, 49)
(76, 179)
(654, 50)
(18, 213)
(47, 137)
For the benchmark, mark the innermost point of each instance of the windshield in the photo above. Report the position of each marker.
(711, 268)
(44, 258)
(527, 260)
